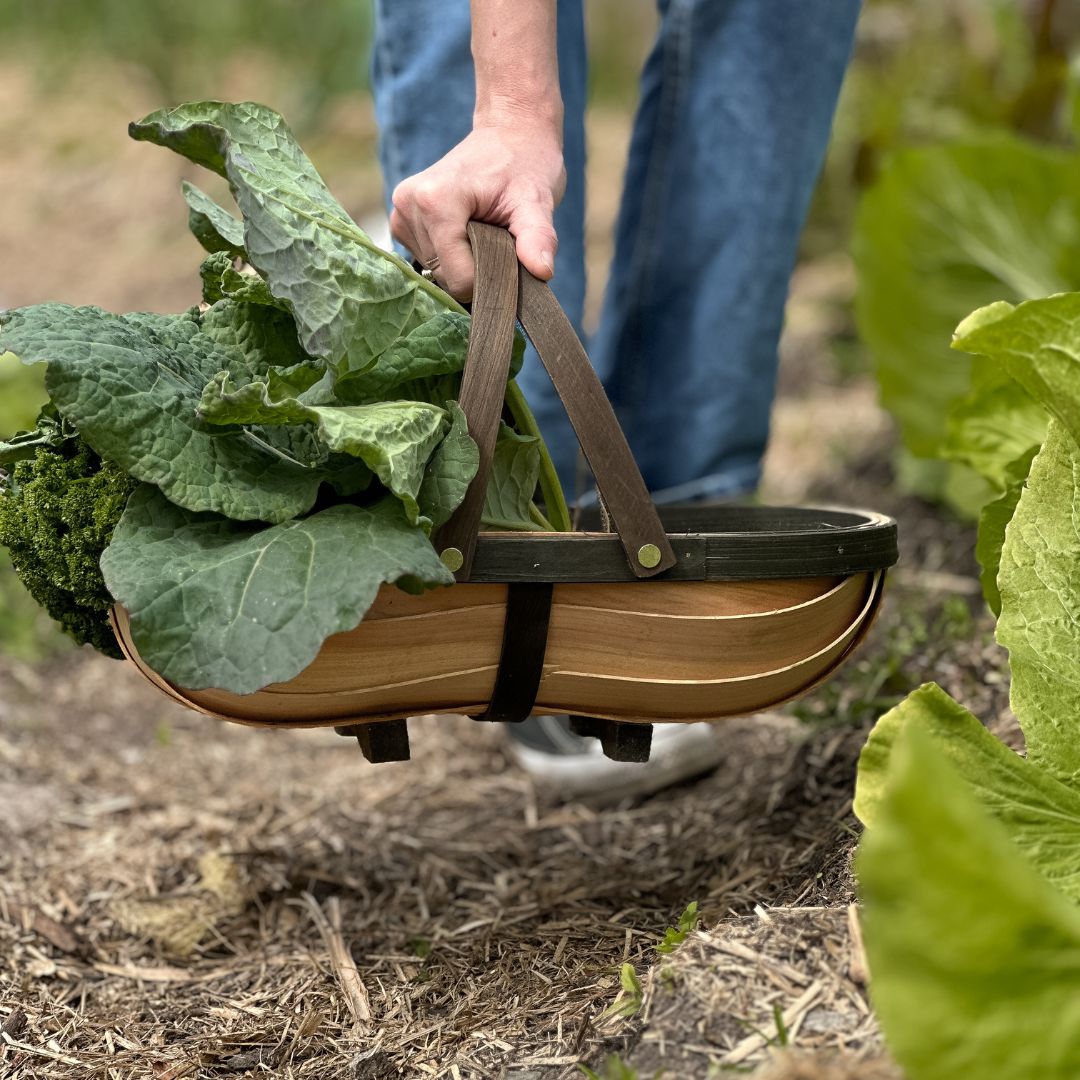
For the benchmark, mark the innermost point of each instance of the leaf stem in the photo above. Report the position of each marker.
(525, 422)
(539, 520)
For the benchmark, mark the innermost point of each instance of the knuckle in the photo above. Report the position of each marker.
(427, 196)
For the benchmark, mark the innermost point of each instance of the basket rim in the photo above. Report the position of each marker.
(725, 542)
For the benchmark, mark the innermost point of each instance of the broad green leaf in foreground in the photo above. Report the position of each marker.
(1040, 607)
(131, 387)
(1038, 344)
(394, 439)
(351, 299)
(1038, 812)
(212, 225)
(948, 229)
(217, 603)
(974, 956)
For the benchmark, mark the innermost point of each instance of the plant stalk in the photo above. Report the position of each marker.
(554, 500)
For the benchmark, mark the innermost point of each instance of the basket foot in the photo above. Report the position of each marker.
(387, 740)
(620, 742)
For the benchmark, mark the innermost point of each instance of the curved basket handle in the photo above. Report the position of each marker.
(504, 291)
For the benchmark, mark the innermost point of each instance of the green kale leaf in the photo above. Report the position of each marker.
(218, 603)
(132, 388)
(212, 225)
(351, 300)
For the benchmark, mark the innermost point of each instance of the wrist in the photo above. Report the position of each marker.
(541, 116)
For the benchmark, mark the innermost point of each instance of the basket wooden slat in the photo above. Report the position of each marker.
(440, 653)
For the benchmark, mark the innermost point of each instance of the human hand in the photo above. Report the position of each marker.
(507, 173)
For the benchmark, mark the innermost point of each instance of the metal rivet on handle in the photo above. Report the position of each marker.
(649, 556)
(453, 560)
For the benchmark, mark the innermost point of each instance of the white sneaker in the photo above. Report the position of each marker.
(575, 767)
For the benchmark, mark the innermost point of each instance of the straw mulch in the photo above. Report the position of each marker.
(183, 898)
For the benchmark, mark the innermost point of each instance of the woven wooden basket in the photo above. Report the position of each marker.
(671, 615)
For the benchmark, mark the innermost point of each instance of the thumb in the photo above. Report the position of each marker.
(537, 243)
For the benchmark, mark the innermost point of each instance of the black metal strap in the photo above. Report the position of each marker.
(521, 663)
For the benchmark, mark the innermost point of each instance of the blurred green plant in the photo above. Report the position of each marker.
(974, 196)
(321, 48)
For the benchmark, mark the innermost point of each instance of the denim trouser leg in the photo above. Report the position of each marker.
(424, 90)
(737, 100)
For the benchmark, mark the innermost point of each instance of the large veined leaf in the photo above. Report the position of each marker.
(1038, 812)
(218, 603)
(212, 225)
(351, 300)
(132, 386)
(451, 469)
(1038, 344)
(394, 439)
(1039, 624)
(974, 956)
(254, 337)
(948, 229)
(434, 348)
(515, 470)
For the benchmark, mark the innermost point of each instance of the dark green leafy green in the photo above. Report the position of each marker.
(297, 436)
(222, 281)
(58, 509)
(217, 603)
(515, 470)
(132, 392)
(449, 472)
(351, 300)
(212, 225)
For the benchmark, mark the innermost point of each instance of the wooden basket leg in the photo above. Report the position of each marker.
(620, 742)
(387, 740)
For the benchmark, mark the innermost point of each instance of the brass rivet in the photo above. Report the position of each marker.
(649, 556)
(453, 560)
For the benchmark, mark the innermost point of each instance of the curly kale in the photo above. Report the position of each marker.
(58, 509)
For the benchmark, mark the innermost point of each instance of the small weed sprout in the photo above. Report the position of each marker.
(674, 936)
(631, 996)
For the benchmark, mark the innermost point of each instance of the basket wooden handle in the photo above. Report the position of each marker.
(503, 292)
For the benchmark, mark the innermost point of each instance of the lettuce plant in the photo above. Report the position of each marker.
(294, 440)
(970, 866)
(945, 230)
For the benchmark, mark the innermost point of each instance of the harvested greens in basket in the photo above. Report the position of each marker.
(243, 476)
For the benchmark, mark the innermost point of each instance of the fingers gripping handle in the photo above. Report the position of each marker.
(502, 291)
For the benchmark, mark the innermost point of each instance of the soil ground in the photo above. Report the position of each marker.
(180, 898)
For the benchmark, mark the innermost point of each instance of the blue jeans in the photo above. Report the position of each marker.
(736, 103)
